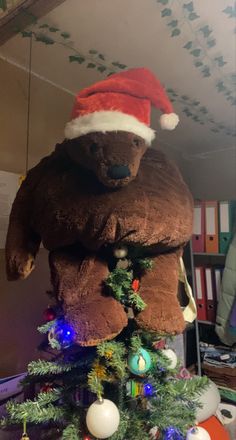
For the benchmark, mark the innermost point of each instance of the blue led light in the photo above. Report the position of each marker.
(148, 390)
(64, 334)
(172, 433)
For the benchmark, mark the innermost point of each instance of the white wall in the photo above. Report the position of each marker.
(213, 177)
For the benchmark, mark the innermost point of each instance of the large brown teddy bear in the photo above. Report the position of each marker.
(103, 187)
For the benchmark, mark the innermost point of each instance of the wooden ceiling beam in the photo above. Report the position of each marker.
(22, 16)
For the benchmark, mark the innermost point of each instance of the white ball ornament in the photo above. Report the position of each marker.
(209, 399)
(171, 355)
(103, 418)
(198, 433)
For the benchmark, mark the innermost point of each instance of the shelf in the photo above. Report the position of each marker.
(208, 255)
(206, 322)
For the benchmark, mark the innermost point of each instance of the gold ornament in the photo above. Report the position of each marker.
(108, 354)
(100, 370)
(25, 437)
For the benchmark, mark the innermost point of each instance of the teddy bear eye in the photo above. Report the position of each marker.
(94, 148)
(136, 142)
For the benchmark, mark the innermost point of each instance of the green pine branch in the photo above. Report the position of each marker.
(114, 355)
(120, 283)
(95, 384)
(39, 410)
(71, 432)
(145, 263)
(45, 328)
(136, 301)
(41, 367)
(135, 344)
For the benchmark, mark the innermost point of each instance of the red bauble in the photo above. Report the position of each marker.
(49, 314)
(86, 438)
(135, 285)
(46, 388)
(159, 345)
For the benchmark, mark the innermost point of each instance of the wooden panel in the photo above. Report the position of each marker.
(24, 14)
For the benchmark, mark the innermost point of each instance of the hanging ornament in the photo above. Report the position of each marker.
(198, 433)
(135, 285)
(159, 345)
(154, 433)
(183, 374)
(171, 355)
(24, 435)
(139, 363)
(62, 333)
(134, 388)
(86, 437)
(46, 388)
(49, 314)
(103, 418)
(172, 433)
(120, 251)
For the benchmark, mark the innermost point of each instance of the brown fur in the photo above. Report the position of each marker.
(68, 199)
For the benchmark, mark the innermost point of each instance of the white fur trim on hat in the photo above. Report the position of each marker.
(104, 121)
(169, 121)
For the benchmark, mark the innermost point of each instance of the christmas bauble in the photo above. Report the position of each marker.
(209, 399)
(103, 418)
(154, 433)
(170, 354)
(198, 433)
(49, 314)
(139, 363)
(62, 333)
(120, 251)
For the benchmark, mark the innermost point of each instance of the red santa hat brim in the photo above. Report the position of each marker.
(105, 121)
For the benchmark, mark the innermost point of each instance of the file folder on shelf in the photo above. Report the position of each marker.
(210, 295)
(226, 222)
(200, 293)
(198, 239)
(212, 238)
(217, 277)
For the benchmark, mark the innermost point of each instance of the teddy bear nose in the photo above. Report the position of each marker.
(118, 171)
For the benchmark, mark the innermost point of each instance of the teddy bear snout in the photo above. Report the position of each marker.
(118, 172)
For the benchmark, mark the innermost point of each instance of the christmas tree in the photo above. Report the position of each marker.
(130, 388)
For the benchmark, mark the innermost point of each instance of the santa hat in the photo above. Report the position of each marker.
(121, 102)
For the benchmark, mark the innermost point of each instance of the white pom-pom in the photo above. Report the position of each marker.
(169, 121)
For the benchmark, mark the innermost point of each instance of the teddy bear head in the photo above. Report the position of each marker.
(109, 130)
(114, 157)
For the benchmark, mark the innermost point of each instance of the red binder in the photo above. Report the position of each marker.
(201, 293)
(210, 295)
(198, 239)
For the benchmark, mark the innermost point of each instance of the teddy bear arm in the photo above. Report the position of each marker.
(159, 288)
(22, 241)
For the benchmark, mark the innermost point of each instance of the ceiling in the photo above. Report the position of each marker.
(189, 45)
